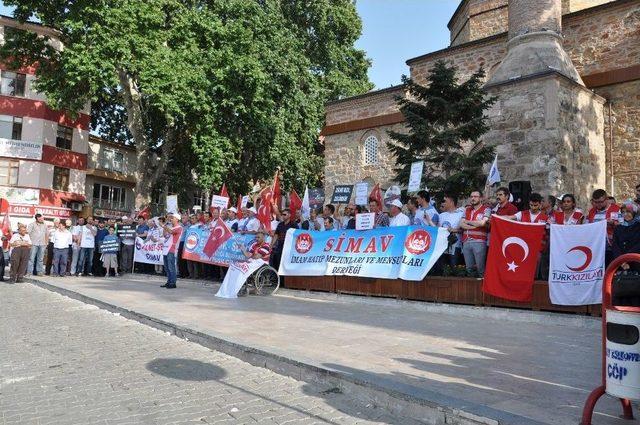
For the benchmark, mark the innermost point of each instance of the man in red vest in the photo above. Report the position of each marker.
(474, 235)
(568, 214)
(603, 211)
(504, 207)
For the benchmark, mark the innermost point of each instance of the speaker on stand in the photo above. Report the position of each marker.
(521, 190)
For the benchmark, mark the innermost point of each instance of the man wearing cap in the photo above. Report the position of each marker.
(398, 218)
(253, 224)
(172, 232)
(232, 221)
(127, 235)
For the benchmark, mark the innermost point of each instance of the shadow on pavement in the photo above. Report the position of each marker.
(186, 369)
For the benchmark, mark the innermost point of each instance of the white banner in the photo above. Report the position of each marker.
(415, 178)
(19, 195)
(148, 252)
(576, 269)
(236, 276)
(20, 149)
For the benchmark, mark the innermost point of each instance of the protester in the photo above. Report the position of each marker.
(61, 238)
(426, 214)
(328, 212)
(87, 247)
(626, 236)
(474, 236)
(548, 205)
(534, 214)
(182, 263)
(193, 267)
(568, 213)
(110, 257)
(232, 221)
(504, 207)
(253, 224)
(449, 219)
(20, 244)
(277, 242)
(76, 233)
(127, 235)
(398, 218)
(172, 232)
(381, 219)
(142, 230)
(348, 213)
(39, 235)
(412, 207)
(49, 260)
(351, 224)
(328, 223)
(100, 235)
(602, 211)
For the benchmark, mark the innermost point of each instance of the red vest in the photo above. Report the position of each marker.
(611, 209)
(479, 234)
(526, 217)
(576, 217)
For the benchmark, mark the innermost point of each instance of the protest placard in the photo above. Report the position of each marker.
(415, 177)
(362, 193)
(342, 194)
(365, 221)
(172, 203)
(220, 202)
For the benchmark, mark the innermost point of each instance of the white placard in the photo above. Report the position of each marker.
(197, 208)
(415, 178)
(172, 203)
(20, 149)
(362, 193)
(365, 221)
(244, 202)
(219, 202)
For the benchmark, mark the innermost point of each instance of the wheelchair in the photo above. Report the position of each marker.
(264, 281)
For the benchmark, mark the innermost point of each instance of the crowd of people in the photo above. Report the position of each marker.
(106, 247)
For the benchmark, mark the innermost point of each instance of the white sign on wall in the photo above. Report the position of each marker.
(20, 149)
(19, 195)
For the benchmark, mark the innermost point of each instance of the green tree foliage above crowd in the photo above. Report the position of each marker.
(235, 87)
(445, 119)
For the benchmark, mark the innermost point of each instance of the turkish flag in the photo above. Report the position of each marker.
(239, 208)
(145, 213)
(264, 210)
(277, 195)
(295, 203)
(6, 230)
(219, 234)
(376, 195)
(512, 258)
(223, 191)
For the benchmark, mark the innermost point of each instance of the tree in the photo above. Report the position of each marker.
(445, 120)
(233, 87)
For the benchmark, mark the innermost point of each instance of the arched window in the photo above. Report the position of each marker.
(371, 151)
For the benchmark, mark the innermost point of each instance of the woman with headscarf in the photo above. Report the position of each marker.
(626, 236)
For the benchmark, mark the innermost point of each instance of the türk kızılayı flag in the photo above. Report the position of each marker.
(577, 268)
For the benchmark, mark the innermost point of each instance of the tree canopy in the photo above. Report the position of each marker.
(446, 120)
(233, 88)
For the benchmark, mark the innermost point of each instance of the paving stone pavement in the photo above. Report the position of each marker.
(65, 362)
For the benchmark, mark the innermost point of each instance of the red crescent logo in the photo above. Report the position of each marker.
(588, 254)
(418, 242)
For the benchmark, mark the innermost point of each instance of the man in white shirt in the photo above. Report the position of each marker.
(87, 246)
(61, 239)
(449, 219)
(50, 231)
(76, 234)
(253, 224)
(232, 221)
(398, 218)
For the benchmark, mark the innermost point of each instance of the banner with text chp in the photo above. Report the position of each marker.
(198, 242)
(405, 252)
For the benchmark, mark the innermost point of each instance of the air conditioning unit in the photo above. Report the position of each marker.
(76, 206)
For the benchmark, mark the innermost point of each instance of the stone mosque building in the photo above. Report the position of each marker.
(567, 77)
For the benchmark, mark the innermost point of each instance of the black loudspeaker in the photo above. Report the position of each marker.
(521, 190)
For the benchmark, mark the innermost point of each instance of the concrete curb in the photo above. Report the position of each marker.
(397, 398)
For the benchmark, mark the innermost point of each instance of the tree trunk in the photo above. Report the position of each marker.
(149, 167)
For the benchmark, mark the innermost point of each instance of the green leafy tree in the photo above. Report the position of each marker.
(445, 121)
(235, 88)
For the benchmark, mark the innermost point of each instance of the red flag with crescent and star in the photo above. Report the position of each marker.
(514, 249)
(220, 233)
(264, 210)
